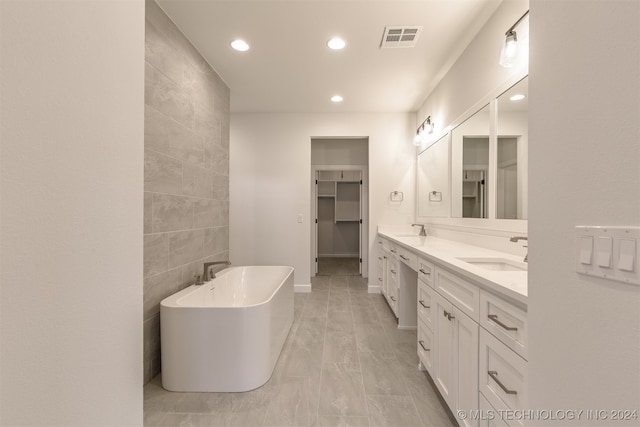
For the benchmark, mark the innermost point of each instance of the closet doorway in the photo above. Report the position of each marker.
(339, 233)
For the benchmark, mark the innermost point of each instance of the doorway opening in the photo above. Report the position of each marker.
(339, 234)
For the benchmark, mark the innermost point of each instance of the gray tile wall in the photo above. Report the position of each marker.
(186, 170)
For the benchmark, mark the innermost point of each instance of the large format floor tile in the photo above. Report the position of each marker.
(344, 364)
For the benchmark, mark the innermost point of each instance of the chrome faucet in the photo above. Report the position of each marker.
(205, 276)
(515, 239)
(423, 232)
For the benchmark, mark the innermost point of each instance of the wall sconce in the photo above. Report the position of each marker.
(423, 132)
(510, 50)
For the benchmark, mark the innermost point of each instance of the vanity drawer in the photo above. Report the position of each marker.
(425, 271)
(425, 343)
(504, 320)
(392, 248)
(491, 417)
(458, 291)
(425, 303)
(503, 375)
(392, 298)
(408, 257)
(392, 270)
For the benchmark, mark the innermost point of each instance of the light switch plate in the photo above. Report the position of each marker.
(608, 252)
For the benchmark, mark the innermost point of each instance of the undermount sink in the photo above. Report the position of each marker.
(496, 264)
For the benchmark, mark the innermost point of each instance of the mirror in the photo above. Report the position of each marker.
(470, 167)
(511, 178)
(433, 180)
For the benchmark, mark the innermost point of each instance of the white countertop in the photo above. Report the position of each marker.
(509, 284)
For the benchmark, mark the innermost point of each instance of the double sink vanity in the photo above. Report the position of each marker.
(469, 306)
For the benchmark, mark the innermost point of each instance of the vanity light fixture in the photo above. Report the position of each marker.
(424, 132)
(336, 43)
(337, 98)
(517, 97)
(240, 45)
(509, 52)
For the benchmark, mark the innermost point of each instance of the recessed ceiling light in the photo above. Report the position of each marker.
(337, 98)
(240, 45)
(517, 97)
(336, 43)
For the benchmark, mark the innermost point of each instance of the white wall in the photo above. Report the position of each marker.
(340, 152)
(475, 79)
(477, 72)
(270, 181)
(584, 168)
(71, 180)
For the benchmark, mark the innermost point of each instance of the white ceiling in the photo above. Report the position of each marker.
(290, 69)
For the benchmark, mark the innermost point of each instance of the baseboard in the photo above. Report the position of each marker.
(407, 328)
(303, 289)
(372, 289)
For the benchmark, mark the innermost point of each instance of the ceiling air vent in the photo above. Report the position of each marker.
(400, 37)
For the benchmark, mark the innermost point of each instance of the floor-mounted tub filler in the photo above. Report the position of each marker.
(226, 334)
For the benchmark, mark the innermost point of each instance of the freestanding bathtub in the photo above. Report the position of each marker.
(226, 335)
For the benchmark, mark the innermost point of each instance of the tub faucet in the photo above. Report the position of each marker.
(423, 232)
(205, 276)
(515, 239)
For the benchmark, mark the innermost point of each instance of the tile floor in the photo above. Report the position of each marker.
(338, 266)
(344, 364)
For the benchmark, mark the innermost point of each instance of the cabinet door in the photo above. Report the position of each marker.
(425, 347)
(381, 265)
(466, 364)
(444, 350)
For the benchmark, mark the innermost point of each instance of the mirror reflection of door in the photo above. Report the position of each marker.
(475, 164)
(512, 165)
(507, 179)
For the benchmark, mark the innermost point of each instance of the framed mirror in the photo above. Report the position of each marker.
(433, 180)
(512, 148)
(470, 182)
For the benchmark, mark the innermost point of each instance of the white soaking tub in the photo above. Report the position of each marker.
(226, 335)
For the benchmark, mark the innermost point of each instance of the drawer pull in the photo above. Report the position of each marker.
(423, 347)
(494, 317)
(379, 242)
(393, 251)
(380, 279)
(404, 258)
(380, 258)
(392, 299)
(494, 376)
(448, 315)
(422, 304)
(424, 272)
(393, 271)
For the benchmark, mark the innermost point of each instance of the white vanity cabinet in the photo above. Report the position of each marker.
(426, 308)
(456, 356)
(503, 350)
(471, 337)
(399, 282)
(392, 283)
(381, 265)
